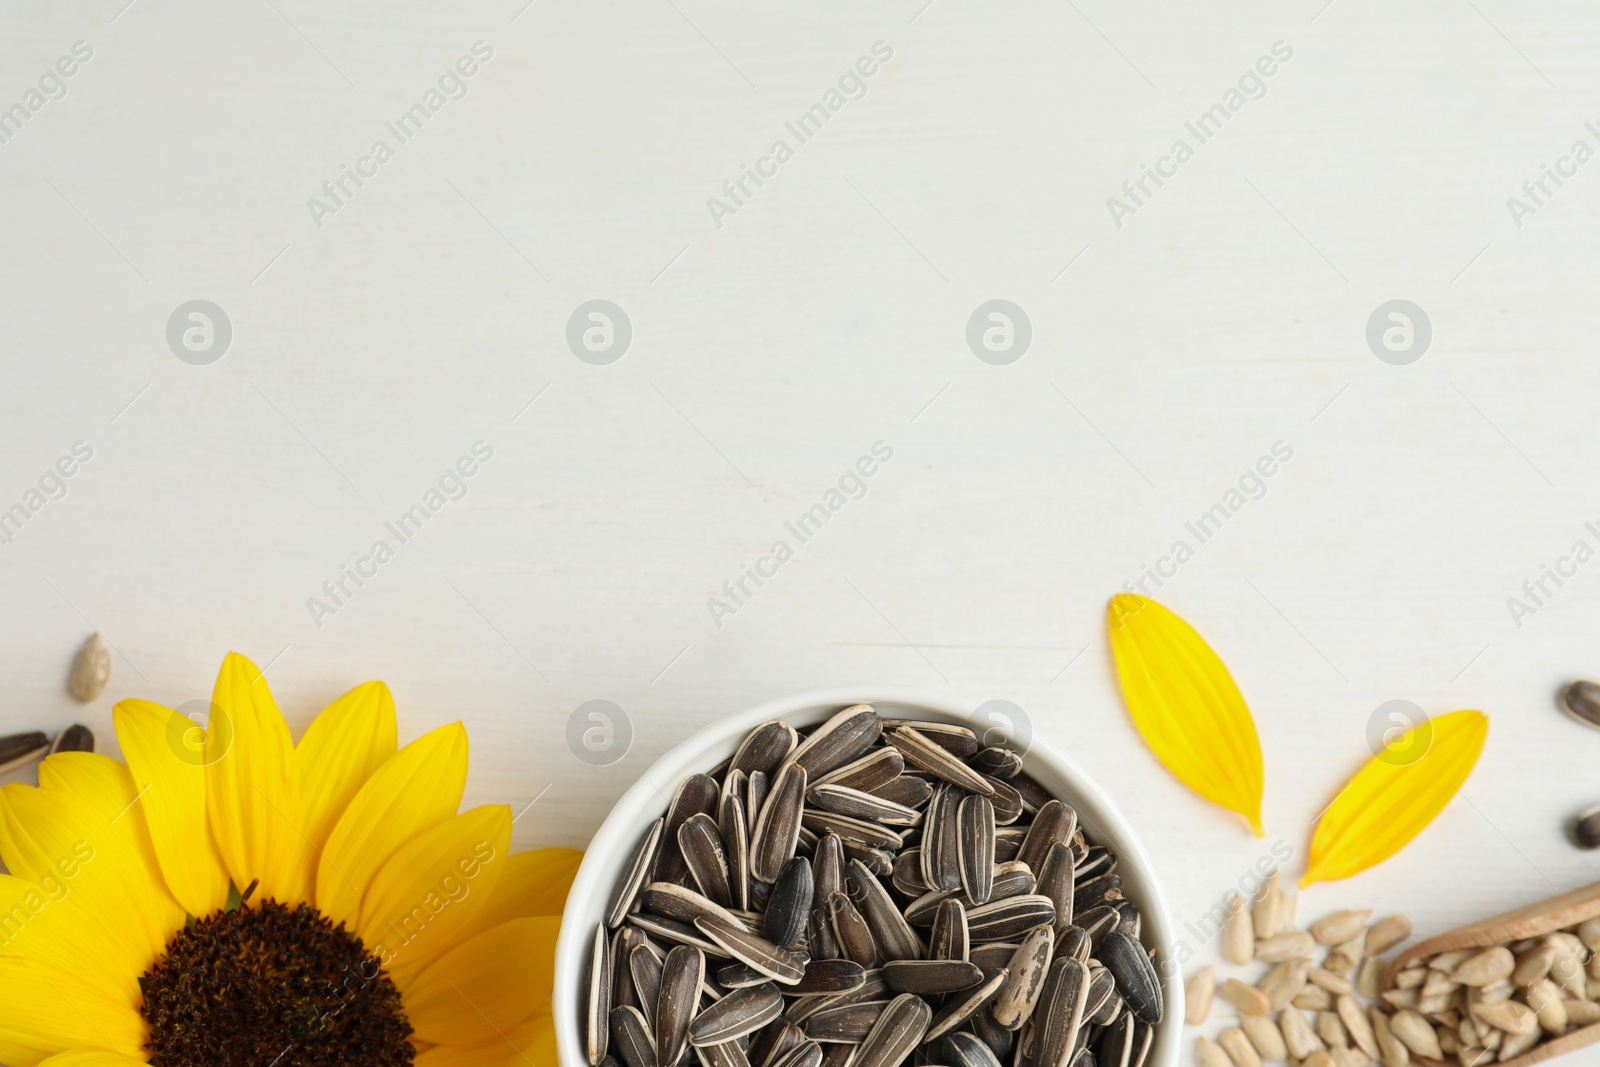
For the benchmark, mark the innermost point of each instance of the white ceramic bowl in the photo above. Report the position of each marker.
(647, 800)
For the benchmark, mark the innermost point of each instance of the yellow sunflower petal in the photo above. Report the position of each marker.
(166, 756)
(250, 790)
(433, 887)
(533, 883)
(1185, 704)
(531, 1043)
(45, 923)
(49, 1010)
(105, 783)
(48, 834)
(348, 742)
(416, 789)
(487, 985)
(1396, 795)
(88, 1057)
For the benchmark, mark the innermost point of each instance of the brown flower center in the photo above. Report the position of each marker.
(272, 985)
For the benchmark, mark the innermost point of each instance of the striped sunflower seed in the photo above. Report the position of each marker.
(1054, 824)
(975, 848)
(701, 844)
(996, 762)
(890, 931)
(1012, 879)
(912, 792)
(841, 740)
(959, 1007)
(856, 804)
(682, 974)
(644, 971)
(869, 774)
(924, 977)
(777, 829)
(949, 938)
(789, 906)
(1009, 918)
(699, 793)
(597, 1016)
(640, 862)
(1060, 1012)
(923, 752)
(780, 964)
(962, 1049)
(830, 976)
(898, 1030)
(632, 1038)
(765, 748)
(851, 931)
(847, 1024)
(1029, 966)
(744, 1011)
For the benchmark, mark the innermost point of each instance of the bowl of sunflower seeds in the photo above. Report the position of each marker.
(865, 878)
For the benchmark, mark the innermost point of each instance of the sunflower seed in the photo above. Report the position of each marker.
(1093, 863)
(1136, 978)
(1340, 927)
(1012, 879)
(921, 911)
(639, 864)
(830, 976)
(962, 1049)
(632, 1038)
(1283, 983)
(1007, 802)
(1208, 1054)
(699, 793)
(907, 873)
(975, 848)
(996, 762)
(1106, 889)
(597, 1015)
(843, 800)
(736, 975)
(941, 845)
(789, 906)
(959, 1007)
(1074, 941)
(851, 931)
(846, 1024)
(907, 790)
(922, 751)
(1301, 1039)
(744, 1011)
(1096, 922)
(681, 903)
(19, 750)
(827, 868)
(623, 942)
(1116, 1044)
(879, 861)
(1102, 1003)
(1272, 913)
(1006, 919)
(838, 1055)
(1029, 966)
(1054, 824)
(91, 669)
(1055, 882)
(1008, 842)
(931, 976)
(994, 954)
(949, 938)
(890, 931)
(1238, 933)
(75, 738)
(898, 1030)
(765, 748)
(728, 1054)
(701, 845)
(644, 970)
(1581, 701)
(1265, 1036)
(860, 832)
(778, 963)
(870, 773)
(734, 829)
(841, 740)
(678, 933)
(777, 1040)
(806, 1054)
(1060, 1011)
(778, 825)
(682, 974)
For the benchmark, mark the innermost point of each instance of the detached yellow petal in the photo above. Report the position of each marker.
(1184, 702)
(486, 986)
(250, 792)
(166, 755)
(417, 789)
(1395, 796)
(49, 1011)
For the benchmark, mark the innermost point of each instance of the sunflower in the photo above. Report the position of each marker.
(230, 897)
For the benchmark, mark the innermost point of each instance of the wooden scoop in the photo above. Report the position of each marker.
(1534, 920)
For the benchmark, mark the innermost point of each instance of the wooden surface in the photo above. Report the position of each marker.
(829, 312)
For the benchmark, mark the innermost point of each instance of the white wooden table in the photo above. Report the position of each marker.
(1177, 337)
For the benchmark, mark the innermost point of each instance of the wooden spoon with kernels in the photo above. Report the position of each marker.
(1533, 920)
